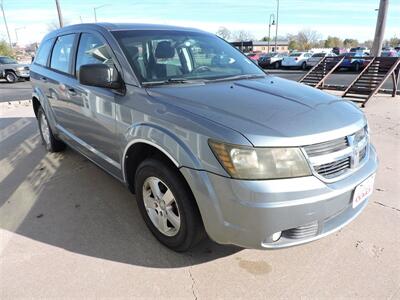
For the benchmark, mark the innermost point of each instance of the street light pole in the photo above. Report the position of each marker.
(94, 10)
(5, 23)
(60, 18)
(380, 28)
(276, 28)
(272, 16)
(16, 33)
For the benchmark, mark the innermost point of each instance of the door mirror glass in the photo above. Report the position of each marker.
(100, 75)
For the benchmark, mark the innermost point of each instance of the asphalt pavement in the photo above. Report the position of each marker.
(21, 90)
(69, 230)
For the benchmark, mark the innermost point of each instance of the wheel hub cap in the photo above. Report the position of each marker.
(161, 206)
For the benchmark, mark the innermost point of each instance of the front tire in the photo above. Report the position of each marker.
(11, 77)
(303, 66)
(167, 205)
(48, 139)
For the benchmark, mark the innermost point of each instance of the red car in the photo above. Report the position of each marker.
(254, 56)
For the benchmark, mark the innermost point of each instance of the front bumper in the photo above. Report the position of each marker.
(23, 74)
(247, 213)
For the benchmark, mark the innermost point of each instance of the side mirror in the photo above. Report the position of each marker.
(100, 75)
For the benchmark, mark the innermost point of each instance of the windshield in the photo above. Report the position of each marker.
(160, 55)
(318, 55)
(295, 54)
(7, 60)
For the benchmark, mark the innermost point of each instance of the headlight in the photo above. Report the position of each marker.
(245, 162)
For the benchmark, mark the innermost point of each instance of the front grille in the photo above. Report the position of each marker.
(333, 169)
(334, 158)
(26, 68)
(327, 147)
(302, 232)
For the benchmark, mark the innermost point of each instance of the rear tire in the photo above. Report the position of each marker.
(167, 205)
(11, 77)
(277, 65)
(303, 66)
(49, 140)
(357, 67)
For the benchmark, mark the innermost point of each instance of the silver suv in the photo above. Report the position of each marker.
(207, 141)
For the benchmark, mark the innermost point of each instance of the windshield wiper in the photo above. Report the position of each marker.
(171, 81)
(237, 77)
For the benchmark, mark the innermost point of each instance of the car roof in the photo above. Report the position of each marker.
(119, 27)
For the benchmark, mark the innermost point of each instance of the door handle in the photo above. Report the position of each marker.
(42, 78)
(72, 91)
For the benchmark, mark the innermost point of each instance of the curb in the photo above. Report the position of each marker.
(15, 103)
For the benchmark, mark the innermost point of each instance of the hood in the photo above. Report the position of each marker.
(270, 111)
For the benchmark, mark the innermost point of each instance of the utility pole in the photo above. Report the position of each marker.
(60, 18)
(5, 23)
(271, 22)
(276, 28)
(380, 28)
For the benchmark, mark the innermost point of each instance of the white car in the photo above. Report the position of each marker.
(316, 57)
(296, 59)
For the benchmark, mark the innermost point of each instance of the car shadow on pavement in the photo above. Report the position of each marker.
(66, 201)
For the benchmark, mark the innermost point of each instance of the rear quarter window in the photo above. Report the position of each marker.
(43, 52)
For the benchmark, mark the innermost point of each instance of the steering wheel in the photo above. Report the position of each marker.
(201, 69)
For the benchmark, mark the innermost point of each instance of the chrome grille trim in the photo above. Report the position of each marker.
(332, 160)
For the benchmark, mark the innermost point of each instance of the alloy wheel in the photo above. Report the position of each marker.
(161, 206)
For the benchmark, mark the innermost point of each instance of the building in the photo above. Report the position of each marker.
(261, 46)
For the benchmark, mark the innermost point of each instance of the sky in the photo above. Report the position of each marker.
(342, 18)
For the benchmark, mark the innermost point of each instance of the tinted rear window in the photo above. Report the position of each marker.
(318, 55)
(43, 52)
(295, 54)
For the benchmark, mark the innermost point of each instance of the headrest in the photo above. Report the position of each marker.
(164, 50)
(133, 52)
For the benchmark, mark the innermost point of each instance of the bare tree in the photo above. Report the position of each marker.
(242, 35)
(307, 38)
(224, 33)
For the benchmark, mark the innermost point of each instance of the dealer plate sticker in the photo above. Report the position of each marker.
(363, 191)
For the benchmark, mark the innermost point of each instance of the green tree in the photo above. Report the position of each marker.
(293, 45)
(5, 49)
(348, 43)
(394, 41)
(333, 41)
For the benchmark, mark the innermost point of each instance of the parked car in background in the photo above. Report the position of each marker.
(389, 53)
(316, 58)
(250, 159)
(354, 61)
(296, 60)
(272, 59)
(12, 71)
(338, 50)
(359, 49)
(254, 56)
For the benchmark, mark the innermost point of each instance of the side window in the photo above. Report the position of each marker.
(43, 52)
(62, 53)
(92, 50)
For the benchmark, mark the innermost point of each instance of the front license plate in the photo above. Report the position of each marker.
(363, 191)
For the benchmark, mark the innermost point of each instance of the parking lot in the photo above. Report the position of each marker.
(67, 228)
(22, 90)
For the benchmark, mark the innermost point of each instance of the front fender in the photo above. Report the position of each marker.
(173, 146)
